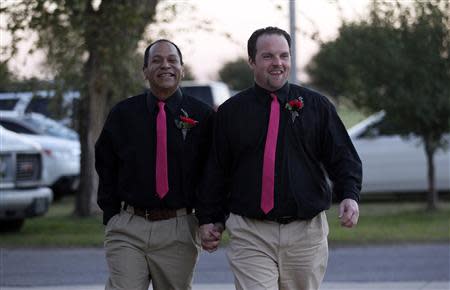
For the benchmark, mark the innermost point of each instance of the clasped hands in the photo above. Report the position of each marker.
(210, 235)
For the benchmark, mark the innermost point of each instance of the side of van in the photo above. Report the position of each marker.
(211, 92)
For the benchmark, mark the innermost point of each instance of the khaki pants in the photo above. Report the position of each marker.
(162, 252)
(269, 255)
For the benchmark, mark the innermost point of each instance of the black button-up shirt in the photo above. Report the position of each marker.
(125, 153)
(310, 146)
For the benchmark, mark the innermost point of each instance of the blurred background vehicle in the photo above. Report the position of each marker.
(35, 124)
(392, 163)
(41, 102)
(22, 194)
(212, 93)
(60, 146)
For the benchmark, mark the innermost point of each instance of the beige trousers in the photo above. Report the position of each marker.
(269, 255)
(161, 252)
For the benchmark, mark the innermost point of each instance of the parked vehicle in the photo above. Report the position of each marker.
(40, 102)
(60, 145)
(35, 124)
(392, 163)
(211, 93)
(22, 194)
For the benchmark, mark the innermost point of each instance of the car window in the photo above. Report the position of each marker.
(51, 127)
(201, 93)
(39, 105)
(379, 129)
(8, 104)
(12, 126)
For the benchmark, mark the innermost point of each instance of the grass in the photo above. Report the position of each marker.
(58, 228)
(393, 223)
(380, 222)
(349, 116)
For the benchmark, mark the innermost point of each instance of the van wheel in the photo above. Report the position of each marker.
(11, 225)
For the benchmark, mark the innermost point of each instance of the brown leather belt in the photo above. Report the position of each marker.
(157, 214)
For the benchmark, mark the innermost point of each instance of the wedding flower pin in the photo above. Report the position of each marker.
(185, 123)
(295, 106)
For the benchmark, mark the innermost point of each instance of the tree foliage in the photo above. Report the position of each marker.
(397, 60)
(91, 47)
(237, 74)
(6, 77)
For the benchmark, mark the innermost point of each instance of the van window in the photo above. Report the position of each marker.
(201, 93)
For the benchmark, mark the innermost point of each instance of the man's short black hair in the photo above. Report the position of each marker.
(251, 44)
(147, 51)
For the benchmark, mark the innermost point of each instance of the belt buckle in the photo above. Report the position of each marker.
(285, 220)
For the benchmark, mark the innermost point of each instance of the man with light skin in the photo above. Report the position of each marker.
(149, 158)
(273, 146)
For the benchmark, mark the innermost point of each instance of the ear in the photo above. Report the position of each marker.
(145, 72)
(251, 63)
(182, 72)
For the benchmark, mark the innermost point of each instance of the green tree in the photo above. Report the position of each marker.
(398, 61)
(237, 74)
(91, 47)
(188, 74)
(6, 76)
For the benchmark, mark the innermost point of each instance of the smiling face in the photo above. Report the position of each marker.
(272, 63)
(164, 70)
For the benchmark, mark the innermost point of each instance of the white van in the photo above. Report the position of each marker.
(21, 192)
(211, 92)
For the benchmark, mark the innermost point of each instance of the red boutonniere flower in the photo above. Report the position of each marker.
(185, 123)
(295, 106)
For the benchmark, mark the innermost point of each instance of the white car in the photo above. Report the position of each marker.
(61, 149)
(211, 93)
(395, 164)
(21, 192)
(39, 102)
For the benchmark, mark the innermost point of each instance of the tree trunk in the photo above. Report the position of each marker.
(91, 116)
(432, 195)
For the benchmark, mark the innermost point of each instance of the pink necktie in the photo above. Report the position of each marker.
(162, 183)
(268, 178)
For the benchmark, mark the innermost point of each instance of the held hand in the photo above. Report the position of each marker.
(348, 213)
(210, 235)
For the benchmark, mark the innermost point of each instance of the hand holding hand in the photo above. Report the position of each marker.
(348, 213)
(210, 235)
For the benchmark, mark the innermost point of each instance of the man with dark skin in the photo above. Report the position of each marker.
(149, 158)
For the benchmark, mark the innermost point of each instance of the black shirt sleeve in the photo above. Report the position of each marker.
(106, 165)
(339, 155)
(213, 194)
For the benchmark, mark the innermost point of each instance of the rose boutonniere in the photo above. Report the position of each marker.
(185, 123)
(295, 106)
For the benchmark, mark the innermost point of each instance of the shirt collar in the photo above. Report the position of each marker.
(282, 93)
(173, 102)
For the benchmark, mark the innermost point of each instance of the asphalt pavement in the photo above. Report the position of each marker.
(393, 267)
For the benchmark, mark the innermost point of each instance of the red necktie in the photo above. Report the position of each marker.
(268, 177)
(162, 183)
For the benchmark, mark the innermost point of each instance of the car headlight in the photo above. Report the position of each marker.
(62, 154)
